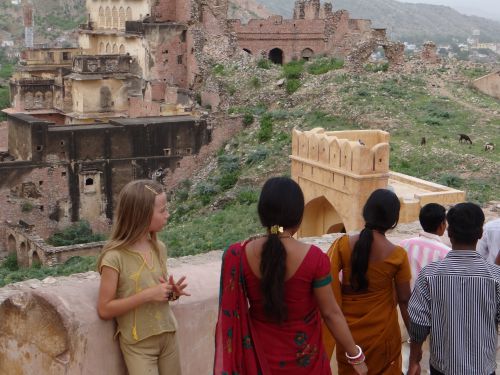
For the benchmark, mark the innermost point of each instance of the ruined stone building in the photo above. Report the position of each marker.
(314, 30)
(84, 121)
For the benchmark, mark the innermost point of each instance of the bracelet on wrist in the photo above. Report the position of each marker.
(357, 361)
(360, 353)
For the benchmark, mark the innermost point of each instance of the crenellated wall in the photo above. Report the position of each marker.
(338, 170)
(342, 168)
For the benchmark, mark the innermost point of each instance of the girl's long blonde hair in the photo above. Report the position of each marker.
(133, 217)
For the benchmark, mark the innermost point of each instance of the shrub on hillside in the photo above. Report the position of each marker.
(266, 128)
(247, 119)
(77, 233)
(292, 85)
(293, 69)
(264, 64)
(324, 65)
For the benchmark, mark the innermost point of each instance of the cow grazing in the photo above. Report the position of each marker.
(464, 138)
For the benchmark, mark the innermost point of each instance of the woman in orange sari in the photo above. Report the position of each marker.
(375, 278)
(275, 290)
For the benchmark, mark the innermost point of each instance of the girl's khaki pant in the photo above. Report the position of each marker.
(155, 355)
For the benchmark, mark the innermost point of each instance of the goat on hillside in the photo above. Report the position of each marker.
(489, 146)
(464, 138)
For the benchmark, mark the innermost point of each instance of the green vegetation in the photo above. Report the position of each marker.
(26, 206)
(264, 64)
(215, 230)
(375, 68)
(266, 128)
(77, 233)
(11, 273)
(323, 65)
(292, 72)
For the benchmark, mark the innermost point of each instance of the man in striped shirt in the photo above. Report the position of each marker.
(457, 301)
(427, 247)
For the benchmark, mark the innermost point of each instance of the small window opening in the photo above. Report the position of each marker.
(188, 151)
(179, 59)
(178, 164)
(183, 36)
(40, 183)
(39, 148)
(89, 181)
(167, 151)
(41, 207)
(63, 174)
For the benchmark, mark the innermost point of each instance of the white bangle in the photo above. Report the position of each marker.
(360, 353)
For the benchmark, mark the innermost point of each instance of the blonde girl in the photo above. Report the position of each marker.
(135, 289)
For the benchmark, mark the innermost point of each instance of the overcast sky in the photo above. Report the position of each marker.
(483, 8)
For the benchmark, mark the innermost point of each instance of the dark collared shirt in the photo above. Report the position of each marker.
(457, 301)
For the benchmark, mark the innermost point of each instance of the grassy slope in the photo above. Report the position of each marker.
(218, 206)
(406, 105)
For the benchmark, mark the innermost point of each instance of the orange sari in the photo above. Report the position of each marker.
(372, 316)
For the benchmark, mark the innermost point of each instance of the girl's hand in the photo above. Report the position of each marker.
(160, 293)
(361, 368)
(177, 287)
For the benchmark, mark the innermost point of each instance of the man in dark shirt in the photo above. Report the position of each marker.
(457, 301)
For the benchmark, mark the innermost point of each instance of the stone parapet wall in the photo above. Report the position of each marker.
(51, 327)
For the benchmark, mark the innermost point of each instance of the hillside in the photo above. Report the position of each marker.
(55, 20)
(246, 9)
(408, 22)
(217, 205)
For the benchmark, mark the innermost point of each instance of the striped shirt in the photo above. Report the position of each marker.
(423, 250)
(457, 301)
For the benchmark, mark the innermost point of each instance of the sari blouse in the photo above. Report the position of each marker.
(291, 347)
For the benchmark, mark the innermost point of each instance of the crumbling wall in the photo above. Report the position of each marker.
(429, 53)
(395, 53)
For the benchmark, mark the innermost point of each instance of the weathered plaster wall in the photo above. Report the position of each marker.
(52, 328)
(489, 84)
(97, 96)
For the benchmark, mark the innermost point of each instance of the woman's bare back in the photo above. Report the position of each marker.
(296, 251)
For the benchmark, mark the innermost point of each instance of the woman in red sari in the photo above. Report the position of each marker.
(274, 291)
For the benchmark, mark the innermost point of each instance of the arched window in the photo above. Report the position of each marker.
(122, 49)
(108, 18)
(129, 14)
(115, 18)
(102, 19)
(115, 49)
(121, 17)
(108, 48)
(101, 48)
(307, 53)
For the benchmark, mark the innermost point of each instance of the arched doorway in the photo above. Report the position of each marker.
(307, 54)
(320, 217)
(276, 56)
(35, 260)
(22, 255)
(11, 244)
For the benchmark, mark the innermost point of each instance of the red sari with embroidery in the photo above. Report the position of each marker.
(247, 342)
